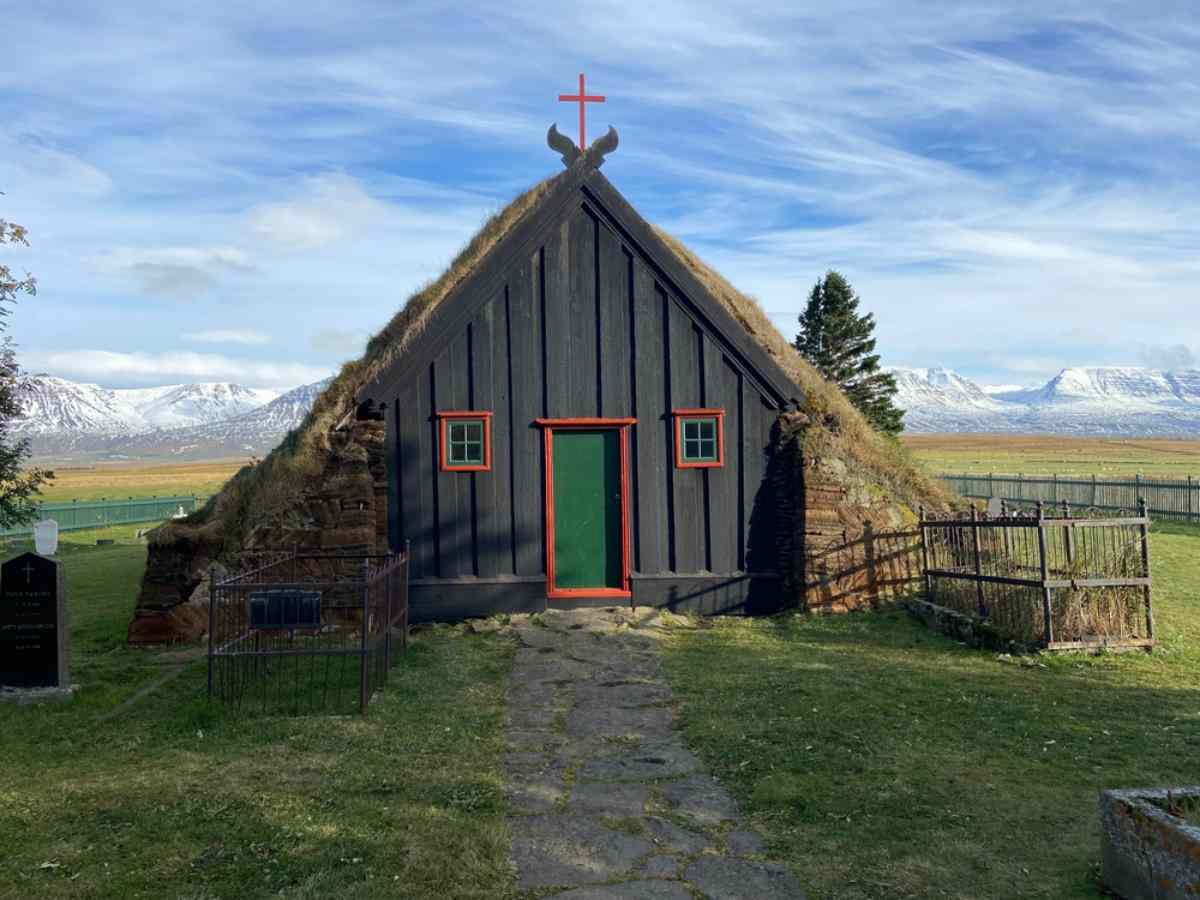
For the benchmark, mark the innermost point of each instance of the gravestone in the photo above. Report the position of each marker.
(995, 507)
(33, 623)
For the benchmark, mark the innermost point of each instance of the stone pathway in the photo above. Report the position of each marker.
(607, 800)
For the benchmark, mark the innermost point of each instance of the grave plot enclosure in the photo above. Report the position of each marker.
(307, 631)
(1058, 581)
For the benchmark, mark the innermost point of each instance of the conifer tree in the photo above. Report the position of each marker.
(839, 343)
(17, 485)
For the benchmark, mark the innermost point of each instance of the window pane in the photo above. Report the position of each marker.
(699, 439)
(466, 438)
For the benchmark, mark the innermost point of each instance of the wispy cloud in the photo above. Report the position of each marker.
(987, 177)
(227, 336)
(109, 367)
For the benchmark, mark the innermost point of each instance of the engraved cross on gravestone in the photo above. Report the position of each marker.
(33, 623)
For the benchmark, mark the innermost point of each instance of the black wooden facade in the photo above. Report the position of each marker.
(582, 312)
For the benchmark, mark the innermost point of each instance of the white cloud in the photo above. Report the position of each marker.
(108, 367)
(227, 336)
(335, 340)
(986, 176)
(330, 208)
(182, 272)
(63, 172)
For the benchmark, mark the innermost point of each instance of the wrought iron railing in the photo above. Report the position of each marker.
(299, 631)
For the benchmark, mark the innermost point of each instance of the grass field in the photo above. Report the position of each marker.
(885, 761)
(881, 760)
(174, 797)
(1053, 454)
(121, 480)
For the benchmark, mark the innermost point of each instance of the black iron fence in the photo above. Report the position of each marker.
(298, 631)
(1166, 498)
(1044, 578)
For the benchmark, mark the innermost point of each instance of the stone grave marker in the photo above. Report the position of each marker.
(33, 623)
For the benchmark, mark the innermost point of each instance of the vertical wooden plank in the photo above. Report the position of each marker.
(556, 294)
(580, 374)
(426, 563)
(489, 538)
(393, 496)
(454, 488)
(721, 392)
(616, 351)
(759, 511)
(502, 424)
(525, 334)
(653, 423)
(685, 375)
(744, 496)
(414, 522)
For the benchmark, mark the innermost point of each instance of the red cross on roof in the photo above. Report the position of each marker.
(582, 98)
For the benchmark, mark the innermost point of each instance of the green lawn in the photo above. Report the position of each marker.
(1055, 454)
(118, 481)
(885, 761)
(174, 797)
(881, 760)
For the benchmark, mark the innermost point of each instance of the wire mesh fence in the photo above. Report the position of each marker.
(73, 515)
(1166, 498)
(1045, 578)
(307, 632)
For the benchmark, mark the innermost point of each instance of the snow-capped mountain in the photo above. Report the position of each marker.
(254, 431)
(1102, 400)
(55, 405)
(196, 404)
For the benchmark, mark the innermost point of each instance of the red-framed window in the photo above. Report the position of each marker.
(699, 438)
(466, 441)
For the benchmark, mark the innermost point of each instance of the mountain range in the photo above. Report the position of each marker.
(67, 419)
(1081, 401)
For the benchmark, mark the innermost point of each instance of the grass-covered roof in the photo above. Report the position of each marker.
(257, 491)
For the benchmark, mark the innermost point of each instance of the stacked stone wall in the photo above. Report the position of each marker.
(343, 509)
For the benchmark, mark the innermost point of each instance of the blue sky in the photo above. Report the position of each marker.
(247, 193)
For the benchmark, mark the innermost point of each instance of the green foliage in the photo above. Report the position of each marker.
(839, 343)
(17, 486)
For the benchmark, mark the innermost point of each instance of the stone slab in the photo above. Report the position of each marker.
(617, 801)
(701, 799)
(745, 843)
(647, 761)
(741, 879)
(568, 850)
(668, 836)
(630, 890)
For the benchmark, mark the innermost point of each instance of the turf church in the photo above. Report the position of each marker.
(581, 421)
(578, 411)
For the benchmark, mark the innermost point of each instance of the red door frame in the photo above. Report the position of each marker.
(548, 427)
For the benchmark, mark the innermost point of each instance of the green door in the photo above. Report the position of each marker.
(587, 509)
